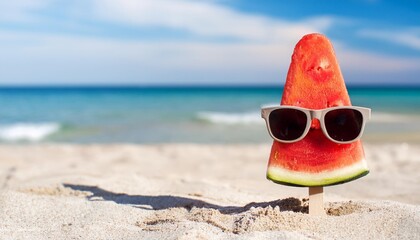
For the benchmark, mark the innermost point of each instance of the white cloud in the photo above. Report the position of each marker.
(19, 10)
(206, 19)
(408, 37)
(259, 57)
(263, 55)
(78, 60)
(363, 61)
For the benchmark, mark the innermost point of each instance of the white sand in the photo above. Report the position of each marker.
(196, 192)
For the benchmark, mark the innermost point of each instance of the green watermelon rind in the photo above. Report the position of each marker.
(299, 179)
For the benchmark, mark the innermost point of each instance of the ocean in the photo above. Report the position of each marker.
(151, 115)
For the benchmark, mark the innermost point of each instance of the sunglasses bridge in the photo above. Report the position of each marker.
(316, 114)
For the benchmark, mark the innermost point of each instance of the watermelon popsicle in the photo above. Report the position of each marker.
(314, 81)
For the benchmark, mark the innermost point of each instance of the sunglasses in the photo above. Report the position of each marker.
(288, 124)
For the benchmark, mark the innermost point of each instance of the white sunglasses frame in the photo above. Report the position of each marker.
(318, 114)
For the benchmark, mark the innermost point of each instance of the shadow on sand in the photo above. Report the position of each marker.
(161, 202)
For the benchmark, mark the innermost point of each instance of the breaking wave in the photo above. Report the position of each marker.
(230, 118)
(385, 117)
(32, 132)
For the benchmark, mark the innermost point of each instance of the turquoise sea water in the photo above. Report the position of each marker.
(180, 114)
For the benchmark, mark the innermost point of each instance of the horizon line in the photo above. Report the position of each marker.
(205, 85)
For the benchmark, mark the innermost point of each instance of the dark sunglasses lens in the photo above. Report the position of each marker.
(343, 124)
(287, 124)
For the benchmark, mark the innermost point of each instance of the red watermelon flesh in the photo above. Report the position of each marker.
(314, 81)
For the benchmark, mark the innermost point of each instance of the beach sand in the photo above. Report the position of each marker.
(187, 191)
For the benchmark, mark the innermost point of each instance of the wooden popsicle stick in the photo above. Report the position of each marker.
(316, 201)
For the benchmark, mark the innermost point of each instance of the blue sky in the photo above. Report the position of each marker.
(81, 42)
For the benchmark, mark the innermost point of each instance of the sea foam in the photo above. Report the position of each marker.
(231, 118)
(386, 117)
(32, 132)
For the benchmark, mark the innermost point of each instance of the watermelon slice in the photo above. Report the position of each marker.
(314, 81)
